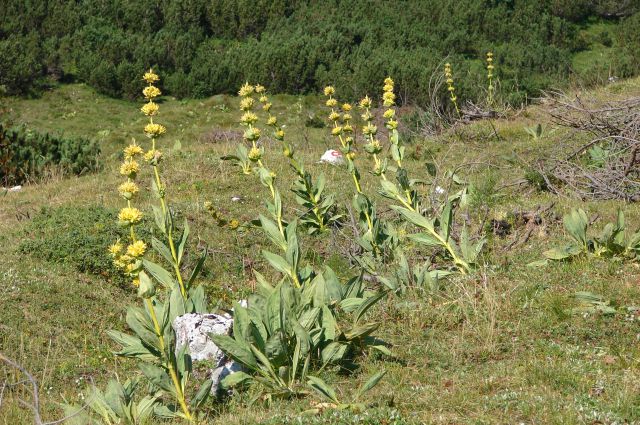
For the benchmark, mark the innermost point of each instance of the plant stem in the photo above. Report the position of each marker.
(168, 364)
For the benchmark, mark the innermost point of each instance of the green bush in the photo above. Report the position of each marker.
(78, 237)
(297, 46)
(25, 154)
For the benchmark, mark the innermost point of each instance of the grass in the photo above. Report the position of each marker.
(497, 347)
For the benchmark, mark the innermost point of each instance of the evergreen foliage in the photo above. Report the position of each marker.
(297, 46)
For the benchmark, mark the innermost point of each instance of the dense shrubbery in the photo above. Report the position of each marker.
(25, 154)
(299, 46)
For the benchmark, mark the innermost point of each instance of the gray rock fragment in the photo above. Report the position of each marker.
(194, 329)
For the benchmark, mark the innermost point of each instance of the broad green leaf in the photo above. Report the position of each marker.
(202, 395)
(334, 352)
(322, 388)
(236, 351)
(425, 239)
(445, 221)
(360, 331)
(415, 218)
(273, 232)
(367, 304)
(183, 241)
(158, 377)
(162, 249)
(160, 274)
(277, 262)
(234, 379)
(371, 382)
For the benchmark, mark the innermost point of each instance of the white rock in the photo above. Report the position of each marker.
(332, 156)
(14, 189)
(221, 372)
(194, 329)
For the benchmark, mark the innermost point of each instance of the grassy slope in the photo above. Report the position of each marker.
(493, 348)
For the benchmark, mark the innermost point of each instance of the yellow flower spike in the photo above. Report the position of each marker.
(336, 131)
(389, 113)
(388, 81)
(252, 134)
(137, 249)
(389, 96)
(347, 128)
(128, 189)
(346, 117)
(154, 130)
(259, 88)
(267, 107)
(255, 154)
(136, 282)
(132, 151)
(151, 92)
(150, 77)
(248, 118)
(329, 91)
(272, 121)
(365, 102)
(280, 134)
(366, 116)
(331, 102)
(246, 104)
(346, 107)
(115, 249)
(370, 130)
(150, 109)
(234, 224)
(392, 124)
(246, 90)
(334, 116)
(387, 88)
(130, 215)
(129, 168)
(263, 99)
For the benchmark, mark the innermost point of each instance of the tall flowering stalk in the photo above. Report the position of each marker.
(490, 77)
(448, 74)
(343, 131)
(319, 214)
(282, 234)
(153, 342)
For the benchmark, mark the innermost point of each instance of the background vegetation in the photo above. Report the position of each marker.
(297, 46)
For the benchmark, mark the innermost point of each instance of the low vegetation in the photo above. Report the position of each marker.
(394, 288)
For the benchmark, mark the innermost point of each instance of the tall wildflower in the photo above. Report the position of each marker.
(490, 77)
(342, 130)
(130, 258)
(448, 74)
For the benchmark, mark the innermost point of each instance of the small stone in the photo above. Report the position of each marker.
(221, 372)
(332, 156)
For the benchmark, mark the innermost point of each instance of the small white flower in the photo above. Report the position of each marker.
(439, 190)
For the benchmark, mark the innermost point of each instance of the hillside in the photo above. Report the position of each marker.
(498, 346)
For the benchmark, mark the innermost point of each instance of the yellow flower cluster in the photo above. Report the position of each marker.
(342, 128)
(130, 215)
(150, 108)
(150, 77)
(389, 100)
(129, 168)
(448, 74)
(137, 249)
(133, 150)
(490, 65)
(128, 189)
(151, 92)
(246, 90)
(153, 130)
